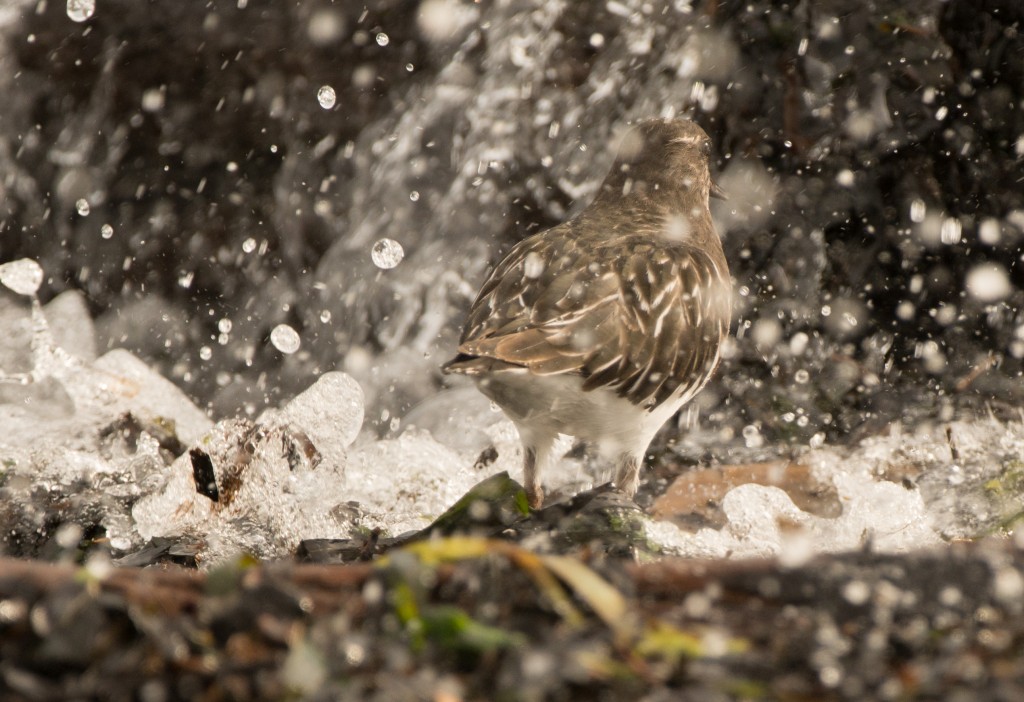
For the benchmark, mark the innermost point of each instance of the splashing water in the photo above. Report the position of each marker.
(81, 10)
(387, 253)
(988, 282)
(326, 97)
(285, 339)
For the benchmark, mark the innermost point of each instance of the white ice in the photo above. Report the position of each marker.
(310, 470)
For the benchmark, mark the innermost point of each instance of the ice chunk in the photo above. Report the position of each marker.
(23, 276)
(764, 522)
(885, 515)
(262, 486)
(245, 487)
(126, 383)
(462, 419)
(405, 483)
(330, 412)
(71, 325)
(900, 492)
(63, 391)
(16, 341)
(63, 467)
(458, 417)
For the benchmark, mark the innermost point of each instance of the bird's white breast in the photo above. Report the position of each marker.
(557, 404)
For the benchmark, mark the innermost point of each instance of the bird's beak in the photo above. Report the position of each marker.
(717, 192)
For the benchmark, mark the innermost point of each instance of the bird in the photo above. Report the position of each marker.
(604, 326)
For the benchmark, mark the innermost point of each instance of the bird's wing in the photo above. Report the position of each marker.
(639, 318)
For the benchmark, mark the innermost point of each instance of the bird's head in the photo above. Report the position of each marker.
(663, 158)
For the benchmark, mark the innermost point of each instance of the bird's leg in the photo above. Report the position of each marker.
(537, 447)
(627, 473)
(531, 476)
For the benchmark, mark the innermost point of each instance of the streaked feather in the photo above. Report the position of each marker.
(629, 327)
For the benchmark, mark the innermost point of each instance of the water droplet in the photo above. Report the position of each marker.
(382, 39)
(856, 592)
(81, 10)
(956, 476)
(224, 325)
(387, 253)
(950, 596)
(534, 265)
(153, 100)
(752, 436)
(989, 232)
(68, 535)
(249, 245)
(798, 344)
(106, 231)
(325, 316)
(905, 310)
(326, 97)
(82, 205)
(1008, 585)
(205, 353)
(326, 26)
(802, 376)
(285, 339)
(949, 232)
(414, 196)
(23, 276)
(918, 210)
(988, 282)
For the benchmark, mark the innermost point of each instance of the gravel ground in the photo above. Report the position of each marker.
(471, 618)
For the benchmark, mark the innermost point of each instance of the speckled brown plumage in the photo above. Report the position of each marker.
(630, 300)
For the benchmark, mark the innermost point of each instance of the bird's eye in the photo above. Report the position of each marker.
(705, 147)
